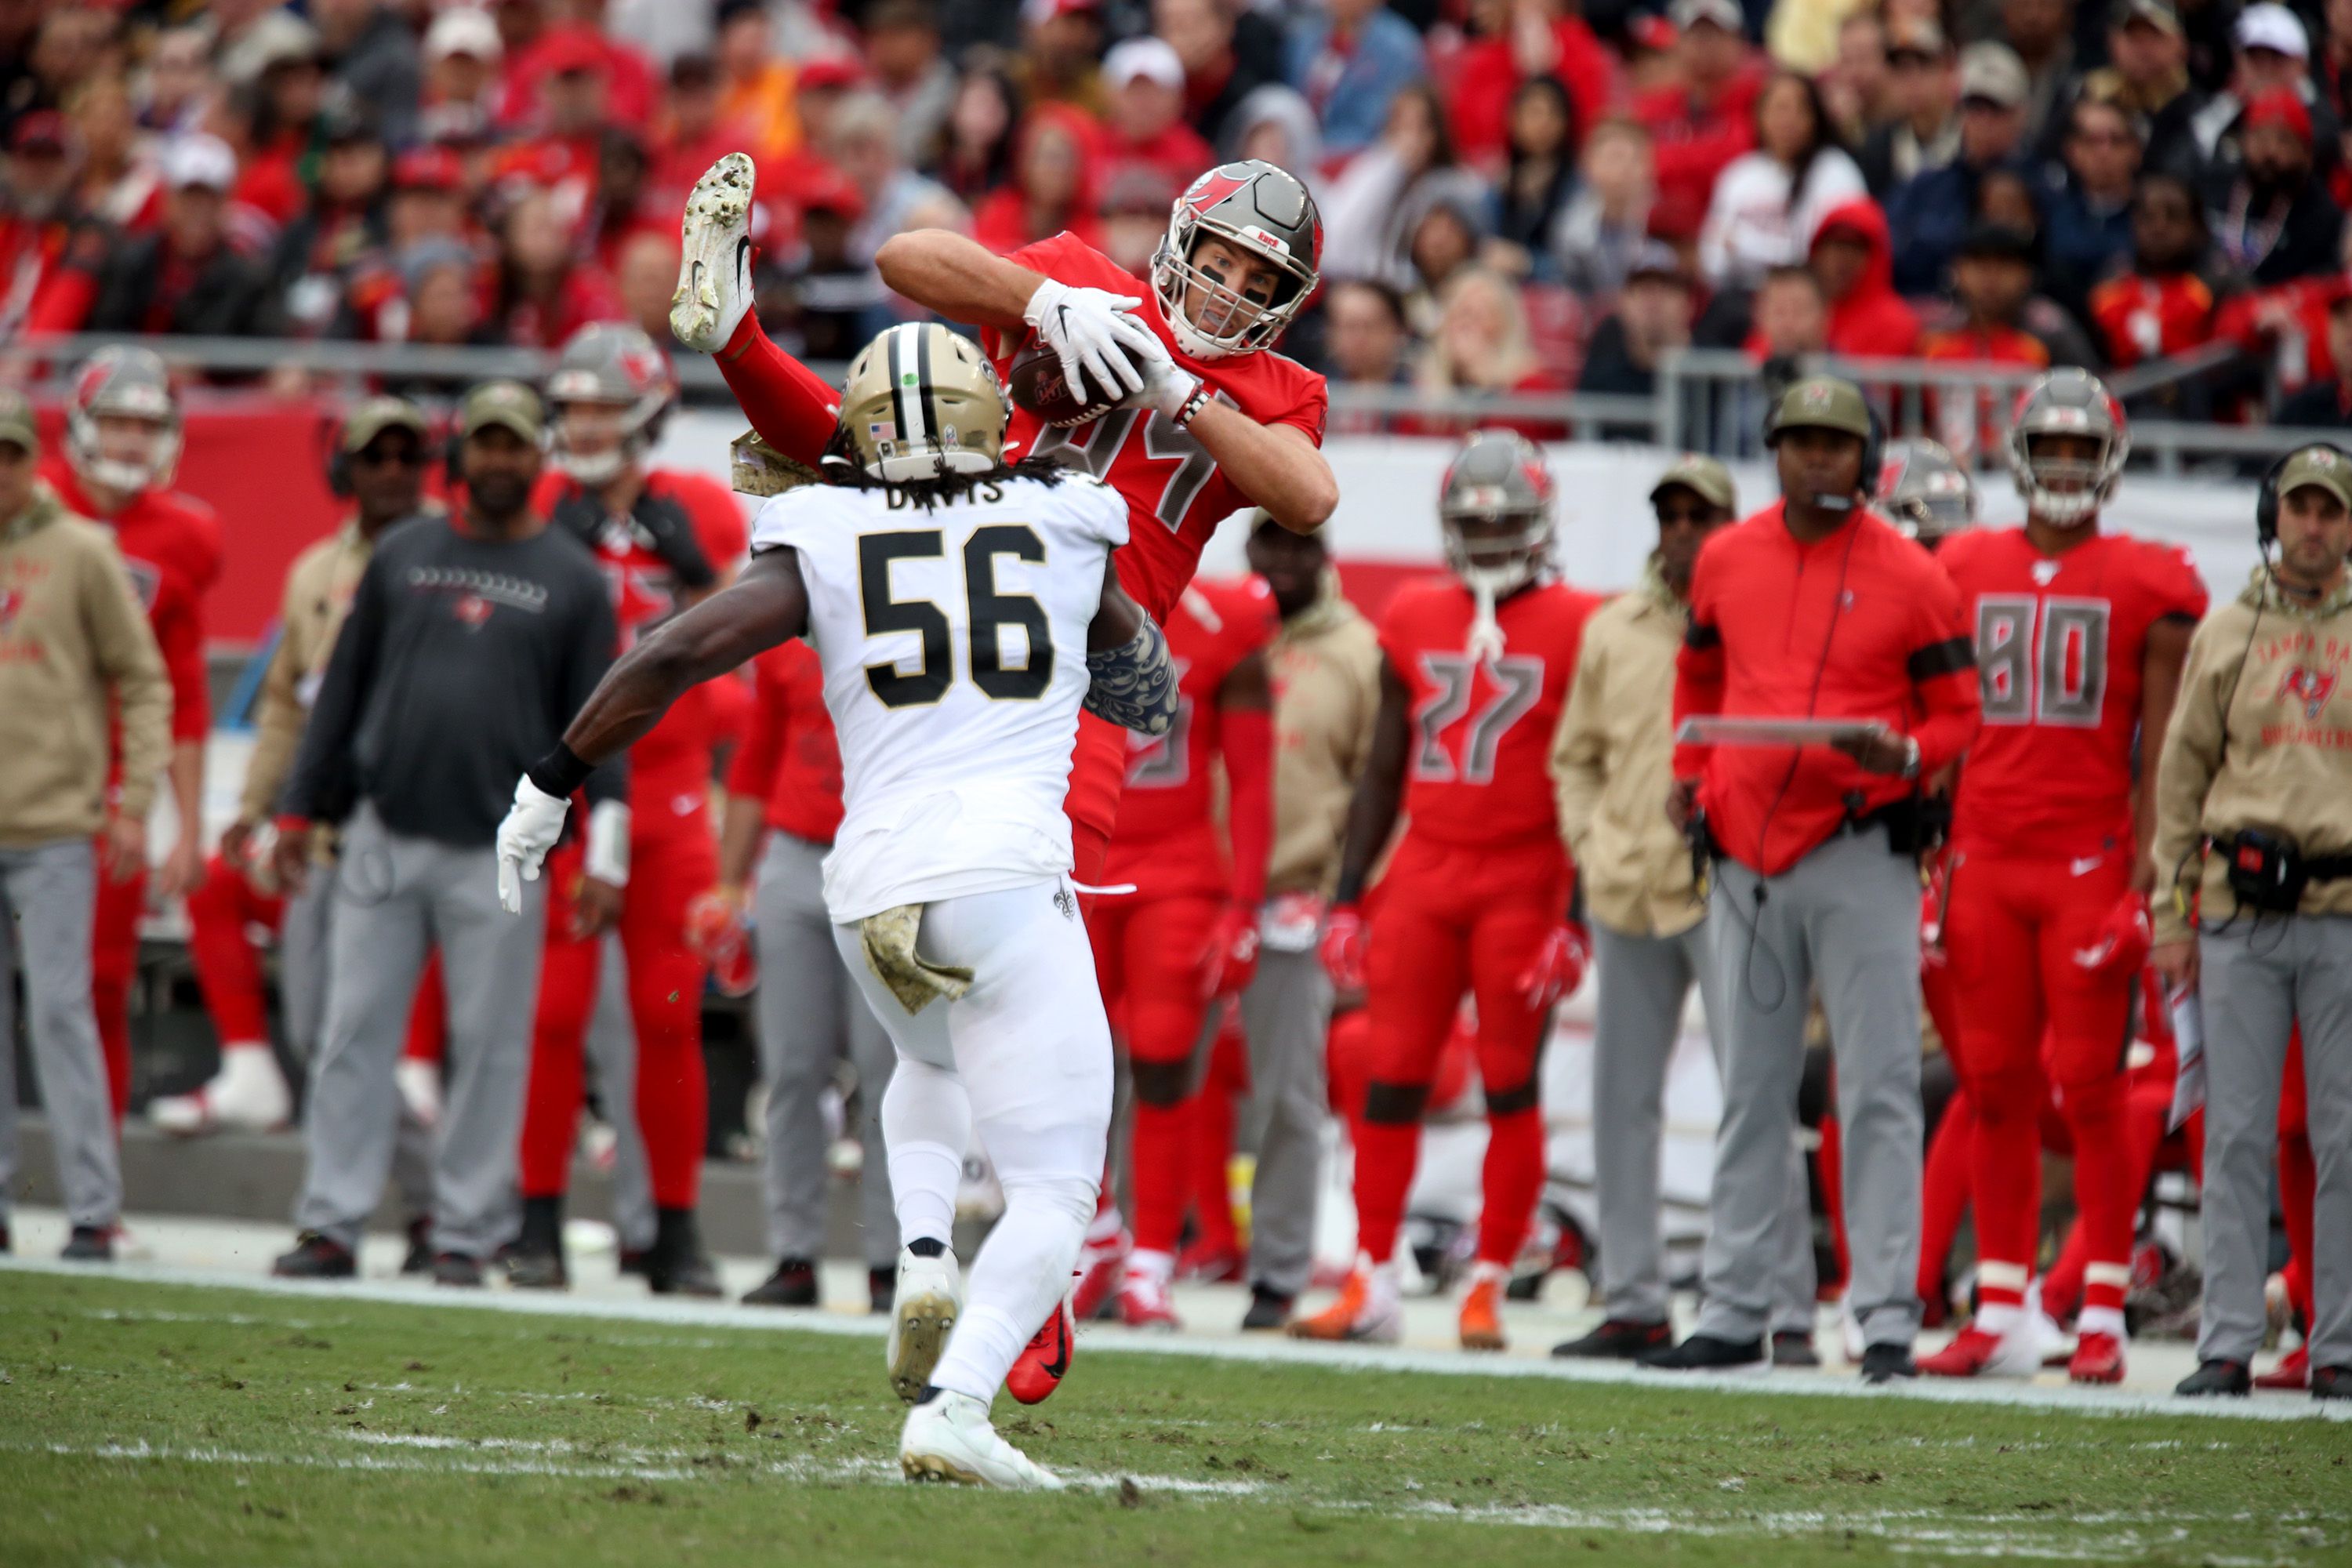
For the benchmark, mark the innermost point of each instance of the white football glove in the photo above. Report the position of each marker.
(532, 826)
(1085, 328)
(1167, 385)
(607, 858)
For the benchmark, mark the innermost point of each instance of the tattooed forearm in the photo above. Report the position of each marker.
(1135, 685)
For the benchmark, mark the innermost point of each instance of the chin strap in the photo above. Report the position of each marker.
(1486, 633)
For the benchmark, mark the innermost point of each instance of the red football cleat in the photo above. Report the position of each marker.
(2293, 1373)
(1976, 1354)
(2098, 1358)
(1210, 1265)
(1144, 1303)
(1045, 1359)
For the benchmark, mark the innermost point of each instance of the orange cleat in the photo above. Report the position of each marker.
(1482, 1317)
(2098, 1358)
(1045, 1359)
(1363, 1313)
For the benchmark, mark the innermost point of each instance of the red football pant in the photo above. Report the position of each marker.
(428, 1016)
(1148, 957)
(1455, 919)
(665, 1005)
(2012, 928)
(2298, 1176)
(221, 911)
(113, 965)
(791, 408)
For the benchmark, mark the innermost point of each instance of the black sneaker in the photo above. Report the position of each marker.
(2212, 1377)
(1269, 1310)
(881, 1289)
(316, 1258)
(420, 1247)
(1884, 1363)
(1618, 1339)
(2331, 1382)
(1794, 1347)
(536, 1268)
(89, 1244)
(633, 1260)
(460, 1270)
(1704, 1353)
(677, 1266)
(794, 1284)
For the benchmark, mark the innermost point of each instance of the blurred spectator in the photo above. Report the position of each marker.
(2271, 218)
(1706, 119)
(1227, 55)
(1606, 221)
(341, 233)
(902, 48)
(1444, 227)
(621, 207)
(462, 55)
(441, 304)
(249, 35)
(540, 292)
(565, 158)
(1481, 346)
(821, 301)
(373, 55)
(755, 87)
(1929, 213)
(975, 153)
(2273, 55)
(1768, 202)
(1997, 320)
(186, 278)
(1539, 37)
(580, 42)
(1364, 341)
(1923, 92)
(1053, 186)
(1275, 124)
(1060, 42)
(120, 182)
(1853, 261)
(1145, 125)
(2326, 405)
(1351, 58)
(178, 89)
(1537, 177)
(861, 139)
(290, 93)
(644, 277)
(2086, 207)
(1791, 317)
(2167, 301)
(427, 201)
(2041, 34)
(1858, 88)
(50, 249)
(691, 138)
(1135, 219)
(2149, 78)
(1653, 314)
(1364, 230)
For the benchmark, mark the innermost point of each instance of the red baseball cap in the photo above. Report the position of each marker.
(571, 49)
(428, 169)
(2280, 106)
(42, 131)
(830, 70)
(827, 190)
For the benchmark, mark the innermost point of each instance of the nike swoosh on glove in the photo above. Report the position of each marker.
(532, 826)
(1341, 951)
(1229, 961)
(1558, 967)
(1092, 335)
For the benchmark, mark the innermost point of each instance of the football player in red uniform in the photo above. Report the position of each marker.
(123, 443)
(2079, 637)
(1187, 936)
(1475, 900)
(664, 538)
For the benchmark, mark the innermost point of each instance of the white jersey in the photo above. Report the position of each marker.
(954, 644)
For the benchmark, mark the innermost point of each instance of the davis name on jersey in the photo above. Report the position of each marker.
(953, 639)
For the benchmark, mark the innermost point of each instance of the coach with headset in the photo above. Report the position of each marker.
(1816, 609)
(2255, 783)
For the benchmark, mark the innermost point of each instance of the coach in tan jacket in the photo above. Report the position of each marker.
(2260, 744)
(1325, 663)
(1611, 765)
(73, 639)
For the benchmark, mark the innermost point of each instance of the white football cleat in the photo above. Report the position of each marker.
(714, 269)
(922, 1314)
(948, 1439)
(248, 1094)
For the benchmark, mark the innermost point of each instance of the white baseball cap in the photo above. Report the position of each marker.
(1148, 57)
(2270, 26)
(463, 30)
(199, 158)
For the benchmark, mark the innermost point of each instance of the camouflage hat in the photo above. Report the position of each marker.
(2323, 468)
(509, 404)
(375, 416)
(1703, 477)
(1820, 403)
(17, 427)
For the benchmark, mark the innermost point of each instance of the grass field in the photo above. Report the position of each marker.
(153, 1423)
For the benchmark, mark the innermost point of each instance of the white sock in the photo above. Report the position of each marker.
(926, 1127)
(1157, 1266)
(1484, 1269)
(2000, 1316)
(2101, 1320)
(1023, 1268)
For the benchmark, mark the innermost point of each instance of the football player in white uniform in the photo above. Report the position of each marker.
(963, 609)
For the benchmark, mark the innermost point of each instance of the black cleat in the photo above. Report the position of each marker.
(632, 1262)
(89, 1244)
(1704, 1353)
(1616, 1339)
(2219, 1378)
(462, 1271)
(536, 1269)
(1270, 1310)
(1794, 1347)
(677, 1266)
(882, 1289)
(316, 1258)
(1883, 1364)
(794, 1284)
(2331, 1382)
(420, 1247)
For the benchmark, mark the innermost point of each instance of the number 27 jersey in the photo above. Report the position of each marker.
(953, 639)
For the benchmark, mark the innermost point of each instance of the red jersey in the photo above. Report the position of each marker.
(2061, 642)
(1478, 766)
(2140, 316)
(1167, 832)
(789, 757)
(172, 545)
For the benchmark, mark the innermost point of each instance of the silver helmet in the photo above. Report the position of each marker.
(1927, 495)
(122, 381)
(2067, 491)
(616, 365)
(1499, 483)
(1258, 208)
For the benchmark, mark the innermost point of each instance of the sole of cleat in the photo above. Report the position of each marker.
(932, 1468)
(924, 1325)
(722, 197)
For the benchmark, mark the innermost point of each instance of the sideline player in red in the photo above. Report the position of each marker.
(122, 442)
(1187, 937)
(2079, 640)
(1472, 683)
(665, 537)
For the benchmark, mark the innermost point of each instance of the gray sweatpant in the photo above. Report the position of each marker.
(394, 898)
(809, 1008)
(2257, 982)
(611, 1047)
(1285, 1012)
(1844, 918)
(48, 895)
(1642, 981)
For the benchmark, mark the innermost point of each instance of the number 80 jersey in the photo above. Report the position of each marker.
(1477, 759)
(953, 639)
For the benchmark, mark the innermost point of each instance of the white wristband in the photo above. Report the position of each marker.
(607, 859)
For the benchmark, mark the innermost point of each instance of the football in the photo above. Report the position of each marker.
(1038, 385)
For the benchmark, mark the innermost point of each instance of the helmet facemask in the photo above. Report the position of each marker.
(595, 442)
(2066, 490)
(1497, 549)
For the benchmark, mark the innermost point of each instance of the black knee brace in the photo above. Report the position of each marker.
(1161, 1084)
(1395, 1104)
(1508, 1101)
